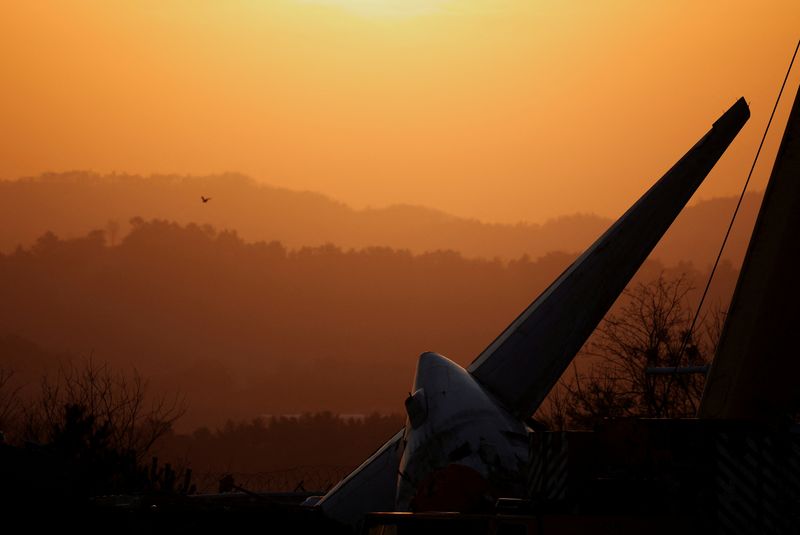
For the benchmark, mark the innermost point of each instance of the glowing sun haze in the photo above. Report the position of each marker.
(385, 8)
(503, 110)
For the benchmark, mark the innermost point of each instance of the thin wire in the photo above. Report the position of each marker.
(735, 212)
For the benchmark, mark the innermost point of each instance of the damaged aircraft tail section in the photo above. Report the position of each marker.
(464, 425)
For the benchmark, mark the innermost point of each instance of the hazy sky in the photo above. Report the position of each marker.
(503, 110)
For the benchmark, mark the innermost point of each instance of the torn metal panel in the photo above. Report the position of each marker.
(467, 448)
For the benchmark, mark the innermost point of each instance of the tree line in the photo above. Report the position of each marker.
(244, 328)
(31, 206)
(101, 431)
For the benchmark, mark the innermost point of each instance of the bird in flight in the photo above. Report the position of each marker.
(205, 199)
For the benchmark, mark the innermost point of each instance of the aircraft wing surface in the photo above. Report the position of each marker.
(370, 487)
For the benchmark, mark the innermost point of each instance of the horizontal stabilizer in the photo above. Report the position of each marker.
(521, 366)
(370, 487)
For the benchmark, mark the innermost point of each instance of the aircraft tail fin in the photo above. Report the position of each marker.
(754, 373)
(527, 359)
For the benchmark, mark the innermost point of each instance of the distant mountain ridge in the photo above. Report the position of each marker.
(73, 203)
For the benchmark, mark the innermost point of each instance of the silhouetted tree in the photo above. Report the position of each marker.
(118, 402)
(650, 330)
(100, 426)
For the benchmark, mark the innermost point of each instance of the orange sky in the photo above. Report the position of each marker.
(504, 110)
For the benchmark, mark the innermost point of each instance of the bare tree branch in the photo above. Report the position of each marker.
(650, 329)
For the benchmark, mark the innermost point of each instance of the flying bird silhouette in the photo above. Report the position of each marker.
(205, 199)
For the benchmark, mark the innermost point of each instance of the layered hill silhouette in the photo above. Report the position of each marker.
(304, 304)
(247, 328)
(72, 204)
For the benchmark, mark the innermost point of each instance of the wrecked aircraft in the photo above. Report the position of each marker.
(466, 433)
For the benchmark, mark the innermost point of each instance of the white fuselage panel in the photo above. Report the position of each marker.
(455, 424)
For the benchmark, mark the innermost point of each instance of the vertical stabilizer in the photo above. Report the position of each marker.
(525, 361)
(520, 367)
(756, 372)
